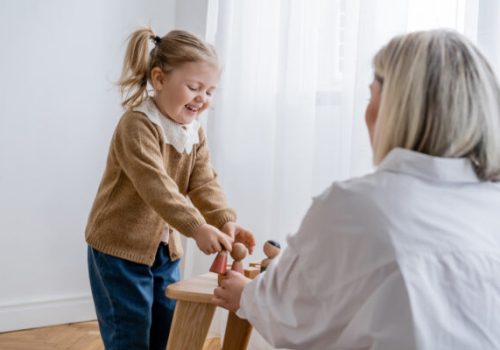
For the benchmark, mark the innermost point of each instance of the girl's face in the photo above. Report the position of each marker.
(372, 108)
(186, 91)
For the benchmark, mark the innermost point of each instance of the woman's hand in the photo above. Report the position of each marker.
(228, 295)
(210, 240)
(239, 234)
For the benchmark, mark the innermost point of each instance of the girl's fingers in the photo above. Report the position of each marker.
(216, 247)
(226, 243)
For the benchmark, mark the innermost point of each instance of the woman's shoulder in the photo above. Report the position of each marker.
(357, 200)
(376, 184)
(356, 186)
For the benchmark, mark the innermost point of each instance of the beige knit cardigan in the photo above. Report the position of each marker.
(146, 184)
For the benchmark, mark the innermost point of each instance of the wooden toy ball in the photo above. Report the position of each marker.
(272, 249)
(239, 251)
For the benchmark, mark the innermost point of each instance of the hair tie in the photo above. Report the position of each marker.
(156, 39)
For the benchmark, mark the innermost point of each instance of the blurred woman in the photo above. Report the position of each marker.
(407, 257)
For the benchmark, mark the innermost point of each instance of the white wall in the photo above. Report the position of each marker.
(58, 62)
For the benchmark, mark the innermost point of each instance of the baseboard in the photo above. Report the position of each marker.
(42, 313)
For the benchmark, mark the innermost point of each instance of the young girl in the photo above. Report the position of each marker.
(158, 157)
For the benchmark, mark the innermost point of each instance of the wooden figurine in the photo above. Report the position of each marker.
(219, 265)
(238, 253)
(272, 250)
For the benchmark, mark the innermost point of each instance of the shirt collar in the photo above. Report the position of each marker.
(181, 136)
(399, 160)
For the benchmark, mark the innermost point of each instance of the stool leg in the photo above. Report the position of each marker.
(237, 333)
(190, 325)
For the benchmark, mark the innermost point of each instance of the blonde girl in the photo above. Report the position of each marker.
(158, 182)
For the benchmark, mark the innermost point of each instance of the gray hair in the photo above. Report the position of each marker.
(439, 97)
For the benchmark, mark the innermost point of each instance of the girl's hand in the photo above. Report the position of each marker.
(210, 240)
(228, 295)
(239, 234)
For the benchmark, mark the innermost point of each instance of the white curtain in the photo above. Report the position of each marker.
(288, 117)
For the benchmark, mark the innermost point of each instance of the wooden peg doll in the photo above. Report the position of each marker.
(219, 265)
(272, 250)
(238, 253)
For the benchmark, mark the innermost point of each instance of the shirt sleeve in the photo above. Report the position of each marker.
(136, 146)
(204, 189)
(277, 304)
(326, 274)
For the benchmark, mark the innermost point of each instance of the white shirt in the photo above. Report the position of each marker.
(405, 258)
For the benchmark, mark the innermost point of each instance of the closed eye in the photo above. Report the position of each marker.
(192, 88)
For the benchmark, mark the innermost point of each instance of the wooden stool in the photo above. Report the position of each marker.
(194, 312)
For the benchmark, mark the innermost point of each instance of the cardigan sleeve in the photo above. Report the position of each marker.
(204, 189)
(136, 146)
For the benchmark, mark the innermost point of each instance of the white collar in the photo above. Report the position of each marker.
(182, 137)
(429, 167)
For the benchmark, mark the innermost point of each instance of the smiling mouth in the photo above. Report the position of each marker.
(192, 108)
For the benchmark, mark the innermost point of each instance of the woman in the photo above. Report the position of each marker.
(407, 257)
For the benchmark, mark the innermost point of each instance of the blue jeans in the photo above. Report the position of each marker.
(132, 309)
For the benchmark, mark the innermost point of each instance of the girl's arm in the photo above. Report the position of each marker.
(204, 189)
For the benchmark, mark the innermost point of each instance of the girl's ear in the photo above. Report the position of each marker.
(157, 78)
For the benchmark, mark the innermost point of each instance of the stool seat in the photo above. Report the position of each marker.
(194, 312)
(197, 289)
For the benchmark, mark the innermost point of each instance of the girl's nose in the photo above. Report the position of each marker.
(201, 98)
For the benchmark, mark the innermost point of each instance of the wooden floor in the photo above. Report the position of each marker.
(76, 336)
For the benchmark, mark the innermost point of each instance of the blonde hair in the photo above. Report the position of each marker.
(439, 97)
(171, 51)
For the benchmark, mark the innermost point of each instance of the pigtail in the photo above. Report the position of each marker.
(134, 78)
